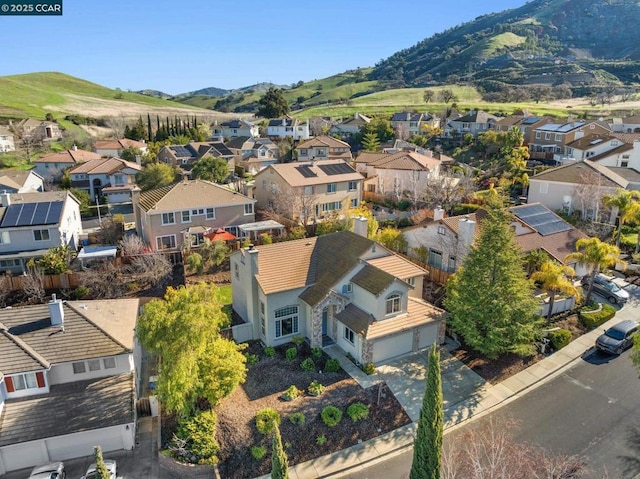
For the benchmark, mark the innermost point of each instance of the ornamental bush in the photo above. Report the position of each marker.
(331, 416)
(332, 365)
(291, 393)
(308, 365)
(593, 319)
(258, 452)
(291, 353)
(297, 418)
(358, 411)
(369, 368)
(265, 420)
(200, 431)
(315, 388)
(559, 338)
(269, 351)
(316, 353)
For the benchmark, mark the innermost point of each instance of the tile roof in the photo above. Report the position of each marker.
(5, 131)
(372, 279)
(615, 151)
(558, 245)
(629, 174)
(287, 265)
(355, 319)
(120, 144)
(292, 175)
(324, 140)
(369, 157)
(476, 116)
(589, 141)
(627, 137)
(406, 160)
(407, 116)
(397, 266)
(69, 156)
(357, 119)
(190, 194)
(574, 173)
(18, 357)
(562, 127)
(82, 338)
(69, 408)
(16, 177)
(104, 166)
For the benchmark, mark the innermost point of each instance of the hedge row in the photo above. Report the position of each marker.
(593, 319)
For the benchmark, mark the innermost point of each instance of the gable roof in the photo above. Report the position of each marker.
(119, 144)
(406, 160)
(368, 157)
(397, 266)
(69, 156)
(627, 137)
(590, 141)
(476, 116)
(356, 119)
(407, 116)
(15, 178)
(372, 279)
(574, 173)
(323, 140)
(313, 173)
(33, 209)
(104, 166)
(190, 194)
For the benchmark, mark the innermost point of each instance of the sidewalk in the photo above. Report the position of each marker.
(465, 398)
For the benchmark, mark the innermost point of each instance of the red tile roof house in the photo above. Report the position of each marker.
(69, 372)
(51, 166)
(116, 147)
(338, 288)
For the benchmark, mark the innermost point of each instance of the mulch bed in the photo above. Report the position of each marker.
(266, 380)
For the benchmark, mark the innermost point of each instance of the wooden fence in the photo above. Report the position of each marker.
(50, 281)
(435, 274)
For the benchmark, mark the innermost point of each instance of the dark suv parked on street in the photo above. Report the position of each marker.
(617, 338)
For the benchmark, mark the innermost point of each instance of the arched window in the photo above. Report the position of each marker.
(393, 303)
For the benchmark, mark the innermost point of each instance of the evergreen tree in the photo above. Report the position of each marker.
(273, 104)
(279, 461)
(127, 132)
(101, 468)
(210, 169)
(490, 299)
(149, 132)
(427, 448)
(370, 142)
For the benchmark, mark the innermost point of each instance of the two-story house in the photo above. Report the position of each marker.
(407, 124)
(33, 223)
(52, 165)
(323, 148)
(7, 142)
(475, 122)
(338, 288)
(234, 129)
(307, 191)
(69, 376)
(548, 141)
(183, 156)
(38, 130)
(592, 145)
(256, 154)
(116, 147)
(20, 181)
(112, 178)
(288, 127)
(177, 216)
(629, 124)
(350, 126)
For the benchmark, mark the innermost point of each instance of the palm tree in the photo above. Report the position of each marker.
(553, 277)
(627, 204)
(594, 254)
(534, 260)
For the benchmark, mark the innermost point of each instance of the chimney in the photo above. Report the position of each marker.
(56, 312)
(74, 147)
(138, 160)
(284, 122)
(466, 228)
(5, 198)
(438, 213)
(253, 259)
(355, 116)
(360, 226)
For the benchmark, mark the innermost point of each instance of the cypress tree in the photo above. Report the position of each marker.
(158, 130)
(427, 449)
(169, 133)
(279, 461)
(149, 128)
(101, 468)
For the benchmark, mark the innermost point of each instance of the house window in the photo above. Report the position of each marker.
(109, 363)
(264, 184)
(236, 270)
(5, 238)
(118, 179)
(347, 288)
(544, 187)
(558, 137)
(547, 136)
(248, 209)
(331, 188)
(303, 152)
(353, 185)
(322, 153)
(211, 213)
(9, 263)
(537, 135)
(451, 267)
(286, 321)
(186, 216)
(435, 258)
(349, 335)
(614, 142)
(411, 281)
(332, 206)
(263, 326)
(79, 368)
(166, 242)
(94, 364)
(308, 190)
(354, 202)
(168, 218)
(393, 303)
(25, 381)
(441, 230)
(41, 235)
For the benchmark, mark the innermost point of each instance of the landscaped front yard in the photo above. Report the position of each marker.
(266, 381)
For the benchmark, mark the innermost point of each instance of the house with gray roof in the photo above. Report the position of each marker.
(288, 127)
(349, 126)
(183, 156)
(234, 129)
(549, 141)
(179, 215)
(340, 288)
(20, 181)
(69, 379)
(407, 124)
(474, 122)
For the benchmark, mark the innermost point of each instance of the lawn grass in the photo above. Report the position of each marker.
(226, 300)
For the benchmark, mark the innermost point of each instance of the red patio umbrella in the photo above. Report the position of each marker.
(219, 235)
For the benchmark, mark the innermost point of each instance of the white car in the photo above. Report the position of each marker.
(111, 467)
(53, 470)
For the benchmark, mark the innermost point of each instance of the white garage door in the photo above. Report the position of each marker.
(428, 336)
(388, 348)
(23, 455)
(82, 443)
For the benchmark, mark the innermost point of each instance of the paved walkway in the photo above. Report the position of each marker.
(466, 395)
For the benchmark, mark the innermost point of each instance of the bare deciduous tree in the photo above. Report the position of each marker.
(132, 245)
(295, 203)
(104, 281)
(152, 270)
(589, 192)
(4, 290)
(448, 191)
(33, 284)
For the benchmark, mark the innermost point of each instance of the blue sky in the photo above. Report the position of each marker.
(185, 45)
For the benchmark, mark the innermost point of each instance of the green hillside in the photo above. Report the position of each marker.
(36, 94)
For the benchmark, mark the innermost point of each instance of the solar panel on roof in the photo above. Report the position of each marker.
(26, 215)
(543, 220)
(11, 216)
(55, 210)
(305, 171)
(336, 169)
(40, 216)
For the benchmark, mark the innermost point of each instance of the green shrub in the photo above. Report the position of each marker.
(316, 353)
(297, 418)
(332, 365)
(265, 419)
(315, 388)
(252, 359)
(593, 319)
(320, 440)
(291, 393)
(308, 365)
(298, 340)
(200, 433)
(331, 416)
(357, 411)
(559, 338)
(369, 368)
(464, 209)
(269, 351)
(258, 452)
(80, 292)
(291, 354)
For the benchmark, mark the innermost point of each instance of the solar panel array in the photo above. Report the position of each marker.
(543, 220)
(30, 214)
(181, 151)
(305, 170)
(336, 169)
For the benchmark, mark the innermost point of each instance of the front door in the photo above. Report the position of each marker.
(325, 315)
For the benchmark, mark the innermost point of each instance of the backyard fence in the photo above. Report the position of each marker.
(49, 281)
